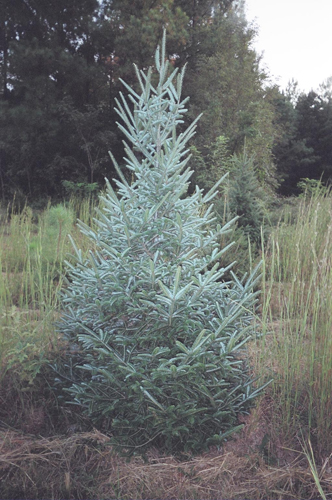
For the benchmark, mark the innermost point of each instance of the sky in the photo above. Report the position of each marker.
(295, 37)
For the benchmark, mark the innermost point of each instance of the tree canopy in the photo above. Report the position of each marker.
(60, 68)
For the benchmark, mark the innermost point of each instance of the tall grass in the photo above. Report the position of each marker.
(297, 315)
(32, 251)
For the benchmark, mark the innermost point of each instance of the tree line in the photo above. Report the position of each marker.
(62, 62)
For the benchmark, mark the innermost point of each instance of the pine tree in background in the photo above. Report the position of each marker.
(246, 197)
(158, 333)
(217, 163)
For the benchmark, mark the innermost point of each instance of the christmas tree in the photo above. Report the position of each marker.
(246, 198)
(158, 333)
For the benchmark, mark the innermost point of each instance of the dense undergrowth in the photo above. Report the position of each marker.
(49, 450)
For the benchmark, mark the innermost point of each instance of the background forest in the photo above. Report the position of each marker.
(60, 67)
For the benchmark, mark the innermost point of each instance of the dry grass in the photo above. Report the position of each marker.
(83, 466)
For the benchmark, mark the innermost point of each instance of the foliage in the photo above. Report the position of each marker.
(156, 336)
(211, 166)
(246, 198)
(303, 149)
(242, 197)
(80, 189)
(53, 119)
(311, 187)
(60, 70)
(224, 80)
(137, 27)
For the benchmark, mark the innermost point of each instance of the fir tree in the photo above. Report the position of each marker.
(217, 163)
(158, 333)
(246, 197)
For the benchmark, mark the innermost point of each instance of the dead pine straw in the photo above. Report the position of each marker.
(83, 466)
(61, 467)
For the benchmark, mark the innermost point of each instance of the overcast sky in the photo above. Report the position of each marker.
(296, 39)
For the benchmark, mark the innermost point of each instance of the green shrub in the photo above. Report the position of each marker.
(80, 190)
(156, 336)
(312, 188)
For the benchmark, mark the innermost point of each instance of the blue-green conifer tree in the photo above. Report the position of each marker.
(158, 334)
